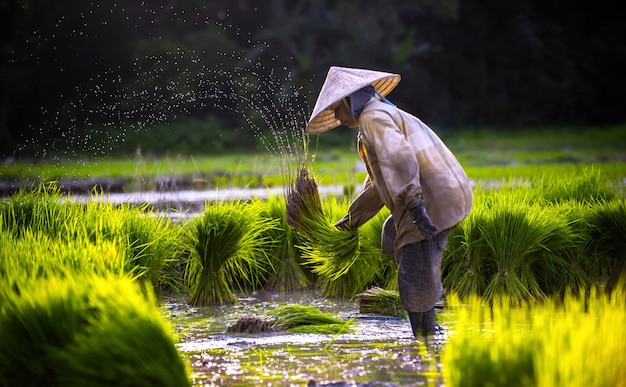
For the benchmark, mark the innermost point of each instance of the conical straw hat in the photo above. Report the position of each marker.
(341, 82)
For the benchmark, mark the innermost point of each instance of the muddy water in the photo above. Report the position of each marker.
(379, 351)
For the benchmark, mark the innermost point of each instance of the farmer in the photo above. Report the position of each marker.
(410, 171)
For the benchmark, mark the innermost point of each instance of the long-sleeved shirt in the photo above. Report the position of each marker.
(406, 160)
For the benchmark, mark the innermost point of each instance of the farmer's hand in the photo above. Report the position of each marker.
(343, 225)
(422, 220)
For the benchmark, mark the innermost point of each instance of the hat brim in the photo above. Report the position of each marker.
(340, 83)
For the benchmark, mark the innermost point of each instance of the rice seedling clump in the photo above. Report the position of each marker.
(345, 264)
(519, 248)
(293, 318)
(229, 249)
(287, 274)
(87, 331)
(575, 340)
(307, 319)
(606, 240)
(380, 301)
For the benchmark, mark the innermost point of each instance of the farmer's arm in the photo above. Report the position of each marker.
(363, 207)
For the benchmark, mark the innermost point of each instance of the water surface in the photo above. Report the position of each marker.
(380, 351)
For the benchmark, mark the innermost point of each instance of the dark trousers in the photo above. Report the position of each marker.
(419, 273)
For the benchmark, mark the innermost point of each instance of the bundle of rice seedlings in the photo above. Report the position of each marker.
(41, 209)
(365, 267)
(575, 215)
(537, 344)
(287, 273)
(530, 246)
(87, 331)
(306, 318)
(228, 252)
(464, 267)
(304, 206)
(508, 247)
(559, 268)
(35, 256)
(153, 248)
(607, 222)
(293, 318)
(380, 301)
(330, 251)
(151, 244)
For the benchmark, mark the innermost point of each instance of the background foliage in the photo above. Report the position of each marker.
(74, 73)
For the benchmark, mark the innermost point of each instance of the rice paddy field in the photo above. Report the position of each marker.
(101, 293)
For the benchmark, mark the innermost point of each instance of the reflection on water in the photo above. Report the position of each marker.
(187, 202)
(379, 351)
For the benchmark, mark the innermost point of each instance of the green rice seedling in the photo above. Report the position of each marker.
(346, 261)
(40, 208)
(287, 274)
(576, 273)
(330, 251)
(382, 268)
(488, 346)
(586, 186)
(575, 215)
(34, 256)
(102, 219)
(575, 340)
(465, 268)
(346, 272)
(509, 247)
(557, 267)
(87, 330)
(607, 228)
(306, 319)
(154, 247)
(569, 267)
(229, 250)
(151, 243)
(524, 244)
(380, 301)
(304, 206)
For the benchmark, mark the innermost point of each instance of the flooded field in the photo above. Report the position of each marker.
(380, 351)
(184, 203)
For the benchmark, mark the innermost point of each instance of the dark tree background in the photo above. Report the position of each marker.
(74, 72)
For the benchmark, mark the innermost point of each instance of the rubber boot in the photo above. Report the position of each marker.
(423, 323)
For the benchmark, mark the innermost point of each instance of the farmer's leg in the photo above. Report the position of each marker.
(419, 281)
